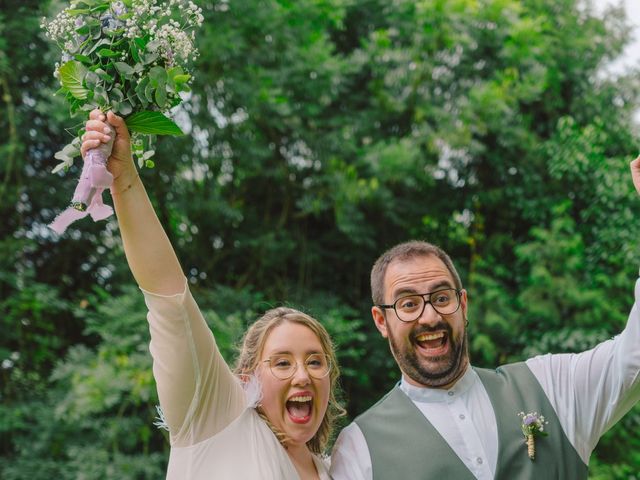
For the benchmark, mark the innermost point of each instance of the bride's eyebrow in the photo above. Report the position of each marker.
(287, 352)
(280, 352)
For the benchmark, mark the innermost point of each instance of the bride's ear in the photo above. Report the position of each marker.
(252, 389)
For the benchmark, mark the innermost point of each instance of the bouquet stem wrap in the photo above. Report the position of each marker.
(87, 198)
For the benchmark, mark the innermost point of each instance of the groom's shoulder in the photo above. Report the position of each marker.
(379, 405)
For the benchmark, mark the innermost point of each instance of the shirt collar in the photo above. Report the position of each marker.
(431, 395)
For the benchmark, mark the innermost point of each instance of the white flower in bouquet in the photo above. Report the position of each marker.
(128, 56)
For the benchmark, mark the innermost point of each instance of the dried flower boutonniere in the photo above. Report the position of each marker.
(532, 426)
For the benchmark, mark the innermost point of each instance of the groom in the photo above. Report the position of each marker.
(446, 419)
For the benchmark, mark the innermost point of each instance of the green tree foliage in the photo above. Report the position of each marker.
(319, 134)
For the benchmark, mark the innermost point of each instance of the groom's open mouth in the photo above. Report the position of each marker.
(433, 343)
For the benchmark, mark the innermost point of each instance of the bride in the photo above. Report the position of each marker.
(272, 417)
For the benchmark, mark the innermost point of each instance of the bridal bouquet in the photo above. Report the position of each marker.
(128, 56)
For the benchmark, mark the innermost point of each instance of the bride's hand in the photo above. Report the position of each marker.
(98, 131)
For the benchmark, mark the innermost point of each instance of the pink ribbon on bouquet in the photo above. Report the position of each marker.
(87, 198)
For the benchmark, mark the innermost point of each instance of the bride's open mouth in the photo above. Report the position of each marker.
(299, 407)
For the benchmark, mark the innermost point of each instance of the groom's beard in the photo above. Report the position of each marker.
(434, 372)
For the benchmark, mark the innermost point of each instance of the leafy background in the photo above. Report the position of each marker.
(321, 132)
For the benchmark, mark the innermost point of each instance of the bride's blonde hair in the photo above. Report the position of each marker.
(251, 350)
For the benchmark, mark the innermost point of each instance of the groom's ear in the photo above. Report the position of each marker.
(463, 302)
(380, 320)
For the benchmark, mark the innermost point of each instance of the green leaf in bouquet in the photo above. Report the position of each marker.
(74, 106)
(116, 43)
(86, 28)
(106, 52)
(158, 78)
(158, 75)
(143, 147)
(100, 95)
(83, 30)
(132, 97)
(160, 96)
(66, 155)
(83, 59)
(152, 123)
(100, 8)
(180, 79)
(87, 107)
(141, 42)
(91, 79)
(115, 33)
(104, 75)
(174, 71)
(140, 91)
(150, 58)
(87, 3)
(116, 94)
(60, 166)
(124, 68)
(153, 45)
(124, 108)
(148, 92)
(74, 12)
(71, 76)
(135, 52)
(177, 78)
(96, 45)
(181, 84)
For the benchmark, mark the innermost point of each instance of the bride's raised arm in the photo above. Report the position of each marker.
(150, 255)
(198, 393)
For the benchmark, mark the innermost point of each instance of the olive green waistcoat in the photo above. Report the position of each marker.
(404, 445)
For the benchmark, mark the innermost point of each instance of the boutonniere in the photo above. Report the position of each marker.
(532, 425)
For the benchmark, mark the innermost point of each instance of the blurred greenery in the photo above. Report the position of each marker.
(322, 132)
